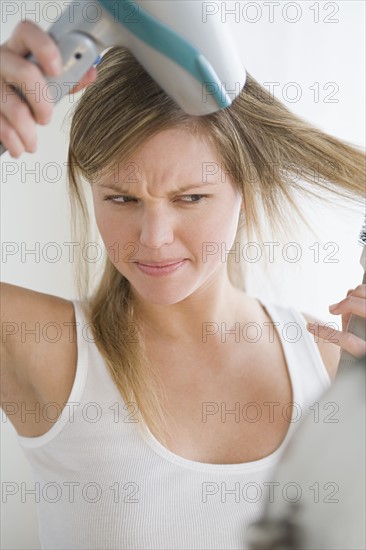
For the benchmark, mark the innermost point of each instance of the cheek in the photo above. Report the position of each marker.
(113, 231)
(105, 228)
(119, 241)
(210, 238)
(222, 226)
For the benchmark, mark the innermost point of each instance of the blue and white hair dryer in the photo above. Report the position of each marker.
(188, 52)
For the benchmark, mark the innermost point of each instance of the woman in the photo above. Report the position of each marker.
(169, 429)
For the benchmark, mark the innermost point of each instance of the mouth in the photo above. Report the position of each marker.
(165, 263)
(162, 269)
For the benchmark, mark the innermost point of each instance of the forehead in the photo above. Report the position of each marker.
(175, 146)
(168, 160)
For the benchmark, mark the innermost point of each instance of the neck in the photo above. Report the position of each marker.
(203, 314)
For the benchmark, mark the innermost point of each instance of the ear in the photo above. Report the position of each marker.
(88, 78)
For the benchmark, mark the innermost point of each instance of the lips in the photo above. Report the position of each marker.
(161, 270)
(161, 264)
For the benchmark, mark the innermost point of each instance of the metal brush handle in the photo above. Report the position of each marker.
(78, 52)
(356, 325)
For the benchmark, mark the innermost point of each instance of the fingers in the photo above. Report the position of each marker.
(346, 316)
(19, 115)
(354, 303)
(29, 79)
(351, 304)
(16, 70)
(346, 340)
(29, 37)
(360, 290)
(10, 138)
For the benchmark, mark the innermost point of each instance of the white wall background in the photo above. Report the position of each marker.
(310, 44)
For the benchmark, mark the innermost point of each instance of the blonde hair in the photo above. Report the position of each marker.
(261, 144)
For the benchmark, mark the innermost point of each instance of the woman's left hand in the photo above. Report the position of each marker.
(355, 303)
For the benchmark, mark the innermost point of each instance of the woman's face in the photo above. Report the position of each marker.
(145, 217)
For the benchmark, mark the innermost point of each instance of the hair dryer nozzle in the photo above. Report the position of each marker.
(194, 61)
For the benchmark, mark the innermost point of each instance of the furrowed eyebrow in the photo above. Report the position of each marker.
(177, 191)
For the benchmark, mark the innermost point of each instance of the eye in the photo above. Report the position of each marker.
(199, 196)
(127, 199)
(113, 198)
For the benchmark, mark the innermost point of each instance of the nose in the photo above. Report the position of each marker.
(156, 227)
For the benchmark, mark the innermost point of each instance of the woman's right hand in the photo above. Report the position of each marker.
(17, 122)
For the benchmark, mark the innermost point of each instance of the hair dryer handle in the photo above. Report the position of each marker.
(78, 52)
(356, 325)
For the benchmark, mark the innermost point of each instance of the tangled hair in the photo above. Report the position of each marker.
(262, 146)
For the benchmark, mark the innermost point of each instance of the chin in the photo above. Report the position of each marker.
(161, 297)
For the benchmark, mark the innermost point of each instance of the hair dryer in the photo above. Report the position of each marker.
(189, 52)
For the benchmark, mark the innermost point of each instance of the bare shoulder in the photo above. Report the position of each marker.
(39, 340)
(329, 352)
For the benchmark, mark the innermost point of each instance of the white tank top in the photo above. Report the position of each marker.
(100, 483)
